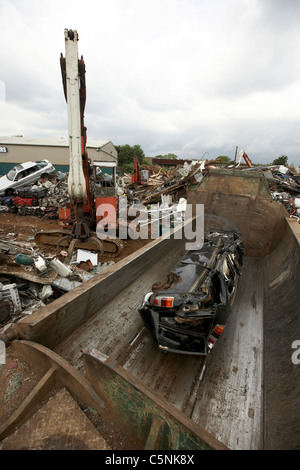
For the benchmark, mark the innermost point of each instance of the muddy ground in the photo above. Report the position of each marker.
(25, 227)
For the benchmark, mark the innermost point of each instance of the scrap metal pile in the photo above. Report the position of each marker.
(173, 184)
(42, 198)
(284, 184)
(31, 278)
(45, 197)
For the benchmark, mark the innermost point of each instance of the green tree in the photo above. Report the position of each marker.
(126, 154)
(223, 159)
(282, 160)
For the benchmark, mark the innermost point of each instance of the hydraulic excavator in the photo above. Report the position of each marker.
(139, 176)
(83, 201)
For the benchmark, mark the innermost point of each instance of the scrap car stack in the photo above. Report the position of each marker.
(41, 198)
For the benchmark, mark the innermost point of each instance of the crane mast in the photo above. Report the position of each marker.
(73, 73)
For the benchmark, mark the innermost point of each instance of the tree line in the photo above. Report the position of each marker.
(126, 154)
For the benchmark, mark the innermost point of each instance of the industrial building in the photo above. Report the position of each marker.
(14, 150)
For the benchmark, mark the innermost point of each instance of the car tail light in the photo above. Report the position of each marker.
(215, 334)
(164, 302)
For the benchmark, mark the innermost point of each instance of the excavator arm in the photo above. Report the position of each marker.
(73, 74)
(83, 202)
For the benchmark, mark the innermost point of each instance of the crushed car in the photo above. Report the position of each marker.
(24, 174)
(188, 313)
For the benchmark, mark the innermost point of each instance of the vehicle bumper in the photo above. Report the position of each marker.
(172, 338)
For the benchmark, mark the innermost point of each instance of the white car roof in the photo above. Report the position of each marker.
(27, 164)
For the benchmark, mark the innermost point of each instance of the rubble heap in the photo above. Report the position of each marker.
(284, 184)
(31, 279)
(174, 182)
(42, 198)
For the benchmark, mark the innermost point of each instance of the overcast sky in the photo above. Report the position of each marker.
(191, 77)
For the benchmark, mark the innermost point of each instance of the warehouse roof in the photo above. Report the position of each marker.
(48, 142)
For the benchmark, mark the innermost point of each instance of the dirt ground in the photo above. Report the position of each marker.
(25, 227)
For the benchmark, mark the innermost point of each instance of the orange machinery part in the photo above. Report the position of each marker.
(110, 215)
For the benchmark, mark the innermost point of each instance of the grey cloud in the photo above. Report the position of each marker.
(171, 76)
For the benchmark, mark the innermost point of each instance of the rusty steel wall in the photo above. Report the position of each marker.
(281, 330)
(241, 201)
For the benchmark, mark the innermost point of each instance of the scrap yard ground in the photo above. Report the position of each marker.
(22, 228)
